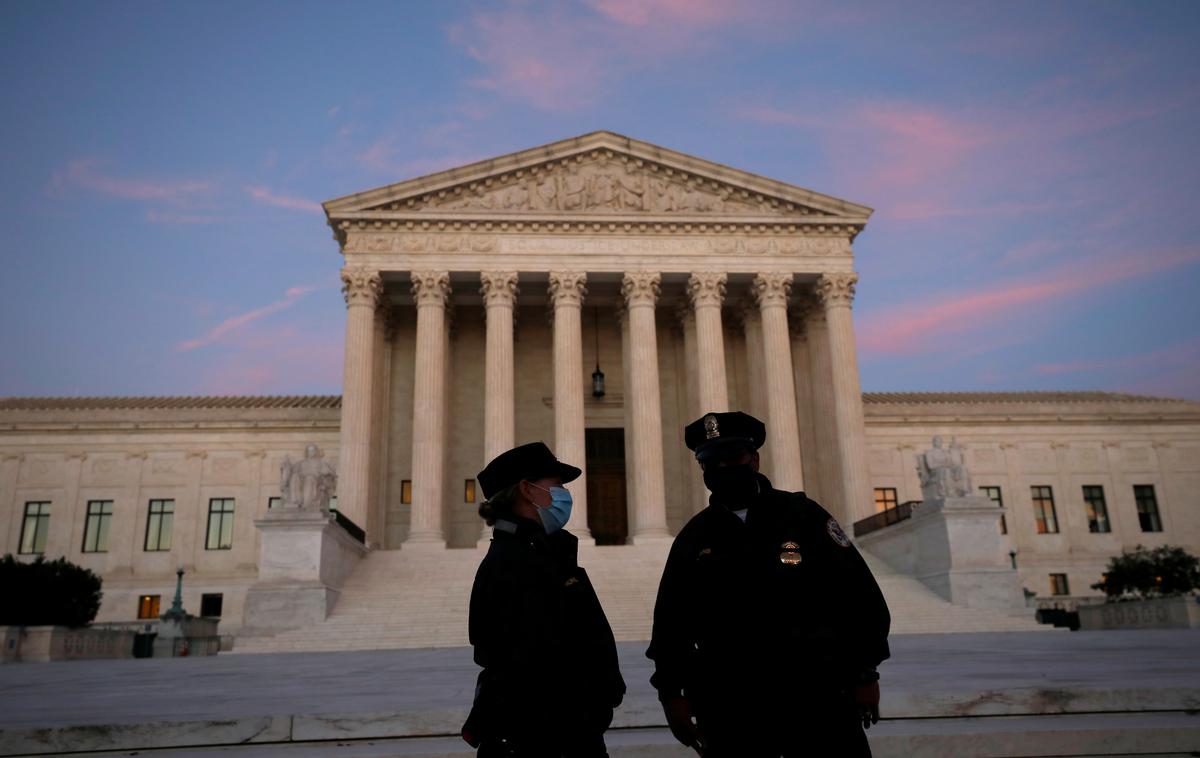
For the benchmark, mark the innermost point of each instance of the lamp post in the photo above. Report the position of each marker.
(177, 604)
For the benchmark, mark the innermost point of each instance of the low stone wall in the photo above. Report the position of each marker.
(60, 643)
(1181, 612)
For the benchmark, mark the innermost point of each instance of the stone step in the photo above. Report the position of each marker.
(414, 599)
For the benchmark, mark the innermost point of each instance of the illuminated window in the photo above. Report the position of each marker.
(885, 498)
(1097, 509)
(333, 503)
(35, 528)
(993, 494)
(158, 525)
(220, 524)
(406, 492)
(1058, 585)
(210, 605)
(148, 606)
(1043, 509)
(273, 502)
(1147, 508)
(95, 530)
(469, 491)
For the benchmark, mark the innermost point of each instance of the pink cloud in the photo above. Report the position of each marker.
(234, 323)
(924, 326)
(86, 174)
(557, 58)
(267, 197)
(282, 359)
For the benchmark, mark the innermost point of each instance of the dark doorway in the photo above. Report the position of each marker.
(607, 516)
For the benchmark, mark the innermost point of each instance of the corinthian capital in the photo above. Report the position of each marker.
(361, 286)
(836, 289)
(567, 287)
(499, 287)
(772, 289)
(431, 287)
(706, 288)
(640, 288)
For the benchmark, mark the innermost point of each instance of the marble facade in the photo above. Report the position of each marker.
(479, 302)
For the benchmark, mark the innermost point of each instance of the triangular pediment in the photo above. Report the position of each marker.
(597, 174)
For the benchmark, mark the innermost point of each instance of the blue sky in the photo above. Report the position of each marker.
(1033, 166)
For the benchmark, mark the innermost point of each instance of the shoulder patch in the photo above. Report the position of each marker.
(836, 533)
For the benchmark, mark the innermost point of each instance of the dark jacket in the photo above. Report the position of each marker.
(779, 605)
(542, 639)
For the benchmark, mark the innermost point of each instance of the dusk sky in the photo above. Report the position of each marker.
(1033, 169)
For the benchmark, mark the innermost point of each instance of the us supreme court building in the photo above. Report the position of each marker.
(596, 293)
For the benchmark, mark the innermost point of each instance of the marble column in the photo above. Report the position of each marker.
(640, 291)
(797, 317)
(362, 288)
(706, 291)
(836, 292)
(783, 434)
(567, 290)
(431, 293)
(499, 290)
(374, 523)
(828, 488)
(697, 493)
(751, 324)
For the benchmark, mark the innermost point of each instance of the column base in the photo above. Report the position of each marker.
(423, 544)
(651, 538)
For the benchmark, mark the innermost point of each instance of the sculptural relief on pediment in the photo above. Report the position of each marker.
(602, 184)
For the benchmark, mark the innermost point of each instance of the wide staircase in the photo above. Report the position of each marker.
(419, 599)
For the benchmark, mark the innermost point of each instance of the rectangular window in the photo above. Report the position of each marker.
(1058, 585)
(158, 525)
(406, 492)
(210, 605)
(1043, 509)
(1097, 509)
(148, 606)
(993, 494)
(35, 528)
(885, 498)
(469, 491)
(333, 503)
(1147, 508)
(273, 502)
(95, 529)
(220, 524)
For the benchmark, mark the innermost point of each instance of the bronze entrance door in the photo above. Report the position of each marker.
(607, 516)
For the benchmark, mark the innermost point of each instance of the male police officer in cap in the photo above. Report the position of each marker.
(768, 626)
(550, 678)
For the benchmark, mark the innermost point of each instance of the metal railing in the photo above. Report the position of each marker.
(885, 518)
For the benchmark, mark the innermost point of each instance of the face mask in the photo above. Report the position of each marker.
(555, 515)
(728, 482)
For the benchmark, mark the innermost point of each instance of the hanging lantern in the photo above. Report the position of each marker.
(597, 382)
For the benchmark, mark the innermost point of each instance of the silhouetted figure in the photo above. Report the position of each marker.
(550, 679)
(768, 625)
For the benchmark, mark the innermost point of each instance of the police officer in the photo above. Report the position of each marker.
(768, 625)
(550, 679)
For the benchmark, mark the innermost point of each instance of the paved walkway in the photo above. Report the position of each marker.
(968, 674)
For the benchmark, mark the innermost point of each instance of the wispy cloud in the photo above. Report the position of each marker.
(560, 57)
(278, 359)
(169, 217)
(268, 197)
(921, 327)
(88, 174)
(233, 324)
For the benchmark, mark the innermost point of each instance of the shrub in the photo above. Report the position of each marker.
(1161, 572)
(47, 593)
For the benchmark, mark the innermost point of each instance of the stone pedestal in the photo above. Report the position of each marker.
(184, 636)
(1180, 612)
(304, 559)
(953, 546)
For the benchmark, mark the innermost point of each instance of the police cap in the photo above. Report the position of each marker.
(531, 461)
(716, 434)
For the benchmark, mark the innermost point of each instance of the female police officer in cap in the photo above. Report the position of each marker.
(550, 678)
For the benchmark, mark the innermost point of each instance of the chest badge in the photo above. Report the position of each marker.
(790, 555)
(836, 534)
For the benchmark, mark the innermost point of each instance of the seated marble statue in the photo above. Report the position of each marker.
(307, 484)
(943, 472)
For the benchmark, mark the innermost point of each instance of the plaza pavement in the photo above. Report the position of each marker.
(989, 694)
